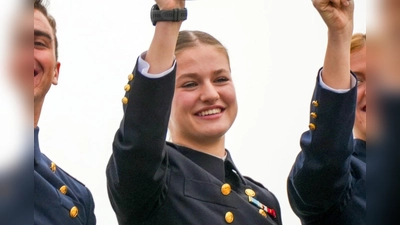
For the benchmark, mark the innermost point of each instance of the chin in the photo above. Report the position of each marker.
(37, 96)
(214, 133)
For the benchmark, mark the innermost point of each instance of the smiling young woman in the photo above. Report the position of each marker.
(204, 106)
(191, 180)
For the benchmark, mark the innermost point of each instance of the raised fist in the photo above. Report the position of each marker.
(337, 14)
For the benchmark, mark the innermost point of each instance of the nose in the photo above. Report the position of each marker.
(209, 93)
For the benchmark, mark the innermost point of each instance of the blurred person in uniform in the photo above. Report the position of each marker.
(384, 167)
(16, 155)
(58, 197)
(182, 83)
(327, 183)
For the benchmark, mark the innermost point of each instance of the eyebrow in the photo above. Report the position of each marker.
(194, 75)
(217, 72)
(40, 33)
(357, 73)
(187, 75)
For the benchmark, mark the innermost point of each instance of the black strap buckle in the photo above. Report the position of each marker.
(174, 15)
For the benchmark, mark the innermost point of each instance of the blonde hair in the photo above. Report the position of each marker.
(358, 41)
(189, 39)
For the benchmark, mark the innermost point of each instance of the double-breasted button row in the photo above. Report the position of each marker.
(63, 189)
(127, 88)
(226, 189)
(73, 213)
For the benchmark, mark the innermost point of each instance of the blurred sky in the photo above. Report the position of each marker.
(276, 49)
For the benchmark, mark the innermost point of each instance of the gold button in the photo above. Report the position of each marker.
(315, 103)
(53, 167)
(127, 87)
(125, 100)
(250, 193)
(229, 217)
(263, 213)
(73, 212)
(312, 126)
(131, 77)
(314, 115)
(226, 189)
(64, 189)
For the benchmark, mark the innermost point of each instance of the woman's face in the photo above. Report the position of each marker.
(204, 105)
(359, 66)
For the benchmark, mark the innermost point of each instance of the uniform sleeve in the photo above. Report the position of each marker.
(138, 168)
(321, 175)
(144, 67)
(353, 83)
(91, 216)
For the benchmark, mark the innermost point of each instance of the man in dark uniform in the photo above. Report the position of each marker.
(327, 184)
(16, 153)
(384, 151)
(58, 197)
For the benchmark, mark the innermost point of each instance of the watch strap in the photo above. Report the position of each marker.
(174, 15)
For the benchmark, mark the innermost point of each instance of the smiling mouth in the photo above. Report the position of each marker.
(210, 112)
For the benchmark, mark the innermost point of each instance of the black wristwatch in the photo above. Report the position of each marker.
(174, 15)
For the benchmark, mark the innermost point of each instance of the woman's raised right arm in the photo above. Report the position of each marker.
(138, 168)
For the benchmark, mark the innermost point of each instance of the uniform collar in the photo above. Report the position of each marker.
(214, 165)
(38, 154)
(360, 150)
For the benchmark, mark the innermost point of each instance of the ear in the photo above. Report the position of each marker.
(56, 73)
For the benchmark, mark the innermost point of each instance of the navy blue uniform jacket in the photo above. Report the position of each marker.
(59, 199)
(327, 184)
(151, 181)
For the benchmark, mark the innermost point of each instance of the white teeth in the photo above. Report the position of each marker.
(210, 112)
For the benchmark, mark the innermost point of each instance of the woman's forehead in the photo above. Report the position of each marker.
(204, 54)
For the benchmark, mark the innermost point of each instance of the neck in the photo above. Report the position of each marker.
(37, 110)
(215, 147)
(360, 135)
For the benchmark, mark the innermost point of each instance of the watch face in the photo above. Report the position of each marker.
(155, 7)
(155, 14)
